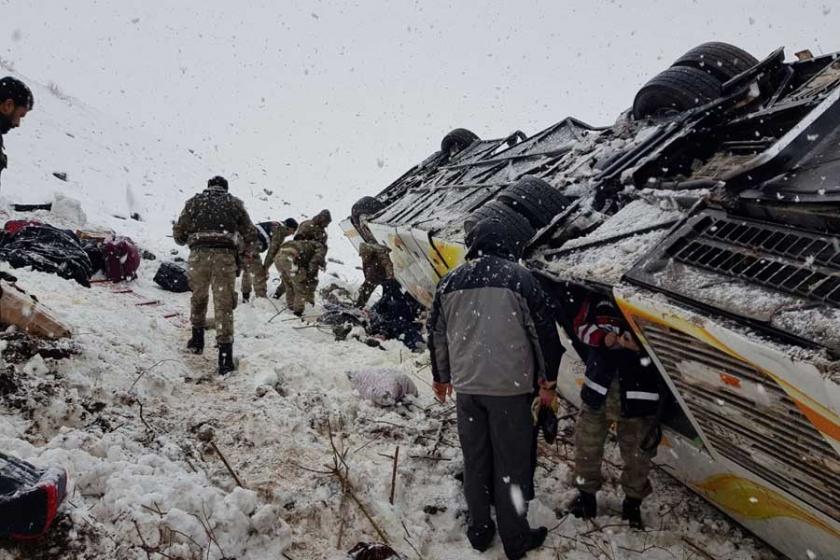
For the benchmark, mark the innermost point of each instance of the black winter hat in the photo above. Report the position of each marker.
(290, 223)
(218, 181)
(17, 91)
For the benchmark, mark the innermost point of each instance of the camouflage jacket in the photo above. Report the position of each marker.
(310, 231)
(277, 239)
(214, 219)
(376, 264)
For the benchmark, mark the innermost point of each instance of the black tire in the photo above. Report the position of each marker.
(535, 199)
(721, 60)
(518, 228)
(461, 137)
(367, 205)
(675, 90)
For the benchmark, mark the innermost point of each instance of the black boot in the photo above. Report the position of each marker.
(196, 343)
(584, 506)
(481, 538)
(535, 539)
(631, 511)
(225, 358)
(246, 296)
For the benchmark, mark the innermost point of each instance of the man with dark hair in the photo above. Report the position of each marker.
(16, 100)
(254, 272)
(213, 224)
(493, 340)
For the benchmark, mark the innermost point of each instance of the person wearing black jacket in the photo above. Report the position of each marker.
(493, 341)
(620, 385)
(16, 100)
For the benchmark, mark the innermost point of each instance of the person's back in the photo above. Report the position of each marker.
(489, 311)
(215, 225)
(310, 242)
(493, 339)
(214, 219)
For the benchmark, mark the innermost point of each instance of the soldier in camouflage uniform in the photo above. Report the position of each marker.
(269, 237)
(300, 260)
(377, 268)
(15, 101)
(620, 386)
(287, 228)
(213, 223)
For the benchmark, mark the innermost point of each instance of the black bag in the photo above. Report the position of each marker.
(172, 277)
(48, 249)
(29, 497)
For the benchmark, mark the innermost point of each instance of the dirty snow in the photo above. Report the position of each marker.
(153, 472)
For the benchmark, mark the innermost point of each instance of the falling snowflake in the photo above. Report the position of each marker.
(518, 499)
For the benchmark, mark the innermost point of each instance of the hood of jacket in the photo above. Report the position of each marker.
(489, 237)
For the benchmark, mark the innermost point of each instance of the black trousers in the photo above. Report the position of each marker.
(496, 435)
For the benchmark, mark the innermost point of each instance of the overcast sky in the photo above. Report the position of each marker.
(340, 96)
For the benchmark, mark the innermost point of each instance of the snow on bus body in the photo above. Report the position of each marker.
(756, 426)
(767, 419)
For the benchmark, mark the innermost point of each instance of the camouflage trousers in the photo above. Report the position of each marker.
(252, 267)
(213, 269)
(591, 434)
(296, 285)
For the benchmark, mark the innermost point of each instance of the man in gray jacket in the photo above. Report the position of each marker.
(493, 341)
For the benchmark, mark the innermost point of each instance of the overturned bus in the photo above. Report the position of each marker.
(710, 212)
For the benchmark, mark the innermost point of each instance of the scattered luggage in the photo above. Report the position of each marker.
(48, 249)
(29, 497)
(172, 276)
(121, 258)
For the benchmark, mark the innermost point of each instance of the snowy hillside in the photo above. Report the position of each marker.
(114, 170)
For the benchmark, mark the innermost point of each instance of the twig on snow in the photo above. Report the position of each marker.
(148, 369)
(227, 465)
(697, 548)
(394, 475)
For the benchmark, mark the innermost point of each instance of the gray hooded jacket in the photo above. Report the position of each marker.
(491, 328)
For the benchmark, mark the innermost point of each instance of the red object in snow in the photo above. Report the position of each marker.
(29, 497)
(122, 258)
(14, 226)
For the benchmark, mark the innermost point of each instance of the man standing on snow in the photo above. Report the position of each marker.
(212, 223)
(16, 100)
(493, 340)
(621, 386)
(253, 271)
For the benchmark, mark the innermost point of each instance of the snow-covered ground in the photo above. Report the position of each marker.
(129, 416)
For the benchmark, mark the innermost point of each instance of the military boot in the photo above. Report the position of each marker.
(226, 358)
(584, 506)
(246, 296)
(196, 343)
(632, 513)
